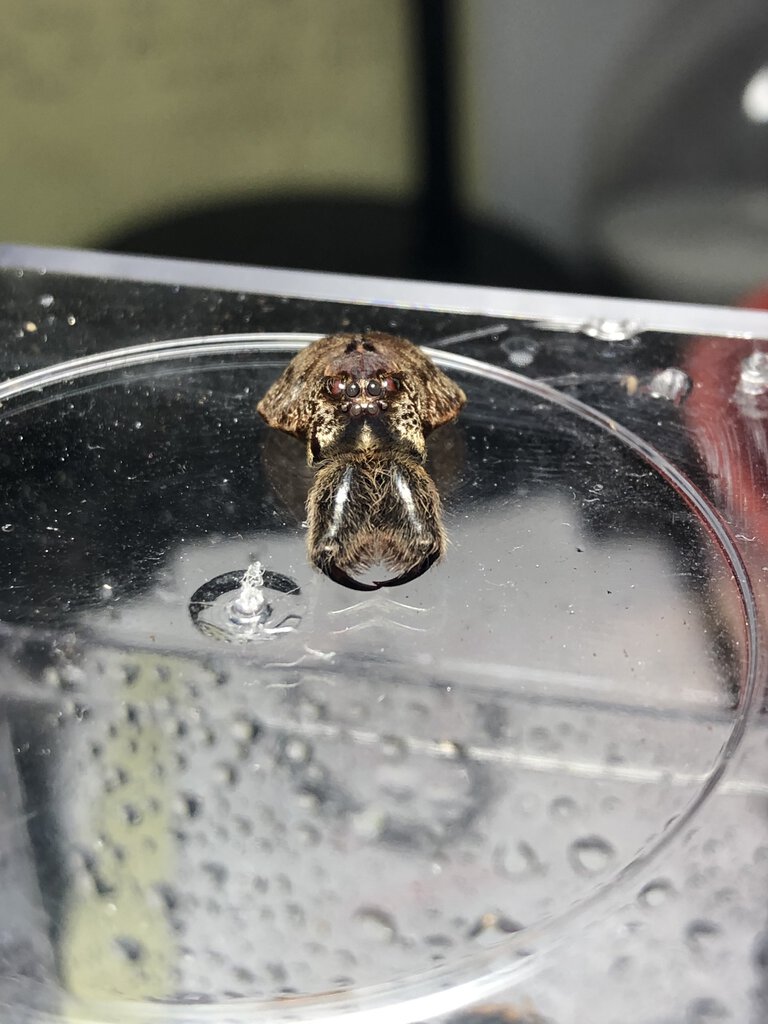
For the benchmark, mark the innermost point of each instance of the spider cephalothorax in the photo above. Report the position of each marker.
(364, 404)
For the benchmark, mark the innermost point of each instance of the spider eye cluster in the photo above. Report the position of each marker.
(377, 387)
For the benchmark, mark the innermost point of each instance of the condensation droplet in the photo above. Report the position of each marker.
(191, 805)
(490, 927)
(130, 948)
(611, 330)
(761, 952)
(218, 873)
(132, 814)
(7, 527)
(671, 384)
(701, 936)
(308, 834)
(226, 773)
(516, 861)
(296, 750)
(655, 893)
(168, 896)
(46, 301)
(590, 855)
(394, 748)
(753, 379)
(563, 808)
(251, 606)
(520, 357)
(245, 730)
(376, 924)
(705, 1011)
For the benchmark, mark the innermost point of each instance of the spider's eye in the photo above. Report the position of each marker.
(391, 384)
(353, 390)
(374, 388)
(335, 386)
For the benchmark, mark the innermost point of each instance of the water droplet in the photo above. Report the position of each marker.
(191, 805)
(701, 936)
(132, 814)
(491, 927)
(705, 1011)
(671, 384)
(8, 528)
(240, 607)
(394, 748)
(590, 855)
(46, 301)
(520, 357)
(761, 951)
(245, 730)
(611, 330)
(169, 896)
(71, 320)
(226, 773)
(216, 872)
(296, 751)
(130, 948)
(376, 925)
(312, 710)
(754, 374)
(563, 808)
(655, 893)
(248, 605)
(517, 861)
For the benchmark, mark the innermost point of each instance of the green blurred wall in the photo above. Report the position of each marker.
(114, 110)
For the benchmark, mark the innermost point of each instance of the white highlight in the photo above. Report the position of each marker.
(339, 502)
(406, 494)
(754, 99)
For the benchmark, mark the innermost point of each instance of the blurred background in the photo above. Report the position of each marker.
(608, 146)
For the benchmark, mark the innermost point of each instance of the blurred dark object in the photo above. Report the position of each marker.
(429, 239)
(348, 235)
(679, 206)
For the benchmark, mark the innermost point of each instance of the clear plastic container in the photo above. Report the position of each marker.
(530, 785)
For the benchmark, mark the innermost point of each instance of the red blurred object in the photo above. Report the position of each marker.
(757, 299)
(729, 426)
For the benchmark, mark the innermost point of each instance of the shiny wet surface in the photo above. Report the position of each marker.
(406, 789)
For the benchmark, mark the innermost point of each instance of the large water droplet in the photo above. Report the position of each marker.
(701, 936)
(754, 374)
(671, 384)
(517, 861)
(376, 924)
(705, 1011)
(490, 928)
(563, 808)
(611, 330)
(130, 947)
(245, 730)
(590, 855)
(655, 893)
(245, 606)
(296, 751)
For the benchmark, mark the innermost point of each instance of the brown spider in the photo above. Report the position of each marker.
(363, 404)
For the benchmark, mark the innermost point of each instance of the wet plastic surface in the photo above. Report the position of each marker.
(533, 779)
